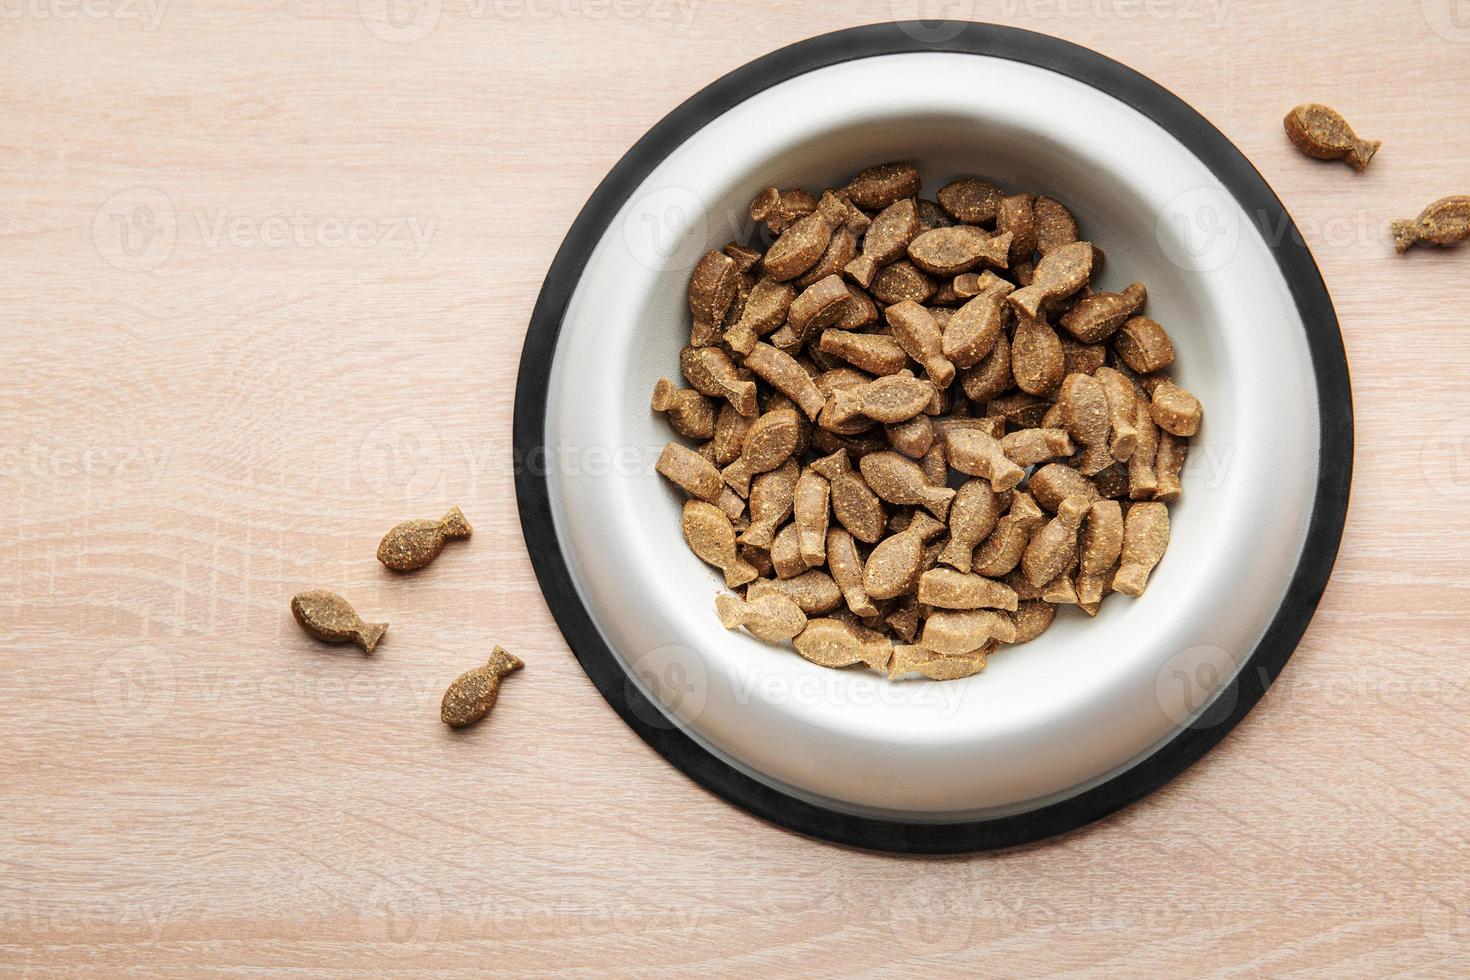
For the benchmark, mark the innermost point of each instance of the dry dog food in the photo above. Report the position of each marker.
(916, 431)
(1445, 222)
(331, 619)
(473, 693)
(413, 544)
(1322, 133)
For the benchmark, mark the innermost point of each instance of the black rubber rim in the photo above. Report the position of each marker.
(1234, 701)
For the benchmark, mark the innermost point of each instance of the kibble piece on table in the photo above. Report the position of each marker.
(331, 619)
(1321, 132)
(413, 544)
(1445, 222)
(473, 693)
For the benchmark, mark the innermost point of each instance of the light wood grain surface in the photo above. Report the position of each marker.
(266, 270)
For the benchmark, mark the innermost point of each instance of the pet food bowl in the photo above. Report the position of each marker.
(1095, 713)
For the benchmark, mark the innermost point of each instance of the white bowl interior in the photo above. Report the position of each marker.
(1088, 698)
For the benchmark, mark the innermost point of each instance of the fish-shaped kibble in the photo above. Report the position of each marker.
(1321, 132)
(1445, 222)
(413, 544)
(711, 290)
(1059, 274)
(331, 619)
(887, 237)
(1145, 536)
(878, 187)
(773, 618)
(473, 693)
(909, 659)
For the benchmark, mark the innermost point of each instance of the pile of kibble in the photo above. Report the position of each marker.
(916, 430)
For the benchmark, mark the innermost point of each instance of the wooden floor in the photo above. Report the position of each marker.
(266, 268)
